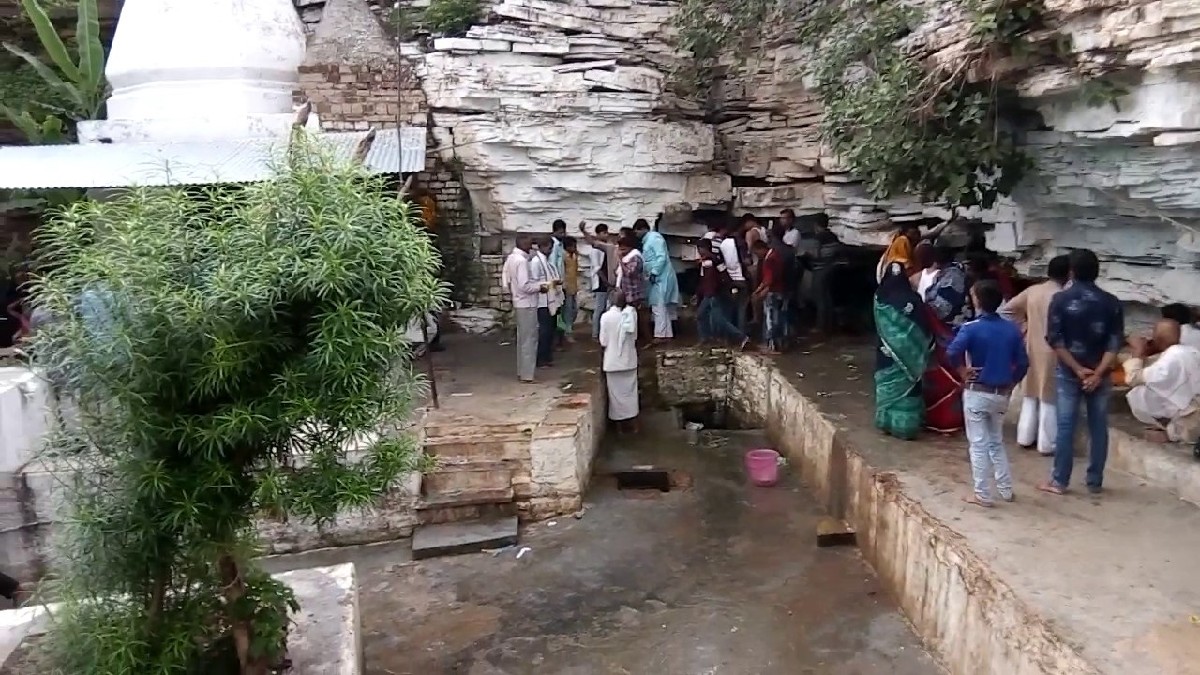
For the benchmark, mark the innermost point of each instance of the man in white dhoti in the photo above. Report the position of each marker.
(1165, 393)
(527, 294)
(1038, 423)
(618, 337)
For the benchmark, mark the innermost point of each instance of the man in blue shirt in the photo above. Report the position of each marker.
(995, 361)
(1085, 327)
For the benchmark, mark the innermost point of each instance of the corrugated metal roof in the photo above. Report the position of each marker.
(106, 165)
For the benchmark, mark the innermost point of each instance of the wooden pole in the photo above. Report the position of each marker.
(401, 193)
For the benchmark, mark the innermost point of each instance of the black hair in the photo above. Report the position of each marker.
(601, 229)
(568, 242)
(978, 264)
(820, 219)
(559, 225)
(640, 224)
(628, 241)
(1178, 312)
(977, 242)
(987, 292)
(1085, 266)
(943, 255)
(788, 212)
(748, 217)
(1059, 268)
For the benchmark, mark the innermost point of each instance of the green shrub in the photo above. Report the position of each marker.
(231, 351)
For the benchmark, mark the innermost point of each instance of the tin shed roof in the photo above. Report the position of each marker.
(108, 165)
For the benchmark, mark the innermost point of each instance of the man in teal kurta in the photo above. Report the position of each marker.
(663, 296)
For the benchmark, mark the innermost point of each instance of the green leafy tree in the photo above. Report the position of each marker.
(231, 351)
(71, 87)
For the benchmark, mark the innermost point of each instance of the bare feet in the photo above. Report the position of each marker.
(974, 499)
(1053, 488)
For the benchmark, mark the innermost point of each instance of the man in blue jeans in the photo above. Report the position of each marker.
(1085, 327)
(990, 353)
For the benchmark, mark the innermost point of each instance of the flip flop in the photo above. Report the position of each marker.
(1052, 488)
(973, 499)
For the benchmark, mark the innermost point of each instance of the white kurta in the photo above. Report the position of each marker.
(1167, 389)
(618, 337)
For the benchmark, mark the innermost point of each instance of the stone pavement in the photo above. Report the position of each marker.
(718, 577)
(1113, 575)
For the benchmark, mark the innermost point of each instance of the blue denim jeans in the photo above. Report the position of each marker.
(773, 327)
(984, 413)
(568, 312)
(600, 300)
(712, 318)
(1070, 393)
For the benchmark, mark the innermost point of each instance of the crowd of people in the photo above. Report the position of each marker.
(954, 343)
(954, 338)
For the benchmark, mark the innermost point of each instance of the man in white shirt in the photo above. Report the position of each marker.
(604, 263)
(543, 271)
(1165, 393)
(527, 295)
(733, 267)
(618, 337)
(791, 233)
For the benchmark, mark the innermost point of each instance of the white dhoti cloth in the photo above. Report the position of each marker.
(1038, 425)
(622, 394)
(1166, 393)
(663, 316)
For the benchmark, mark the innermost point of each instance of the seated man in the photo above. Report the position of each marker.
(1165, 394)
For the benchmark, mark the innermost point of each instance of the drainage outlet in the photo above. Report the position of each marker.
(644, 480)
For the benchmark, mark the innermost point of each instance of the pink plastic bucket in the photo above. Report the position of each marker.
(763, 466)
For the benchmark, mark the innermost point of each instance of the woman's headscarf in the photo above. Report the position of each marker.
(897, 292)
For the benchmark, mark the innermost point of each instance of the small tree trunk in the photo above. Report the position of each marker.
(243, 631)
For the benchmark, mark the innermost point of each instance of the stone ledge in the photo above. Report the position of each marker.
(326, 638)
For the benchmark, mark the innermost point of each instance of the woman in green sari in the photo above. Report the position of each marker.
(904, 348)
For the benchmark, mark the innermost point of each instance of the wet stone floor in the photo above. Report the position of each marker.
(718, 577)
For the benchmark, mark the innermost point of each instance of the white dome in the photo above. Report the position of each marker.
(175, 59)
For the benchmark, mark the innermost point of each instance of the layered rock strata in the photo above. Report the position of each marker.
(560, 110)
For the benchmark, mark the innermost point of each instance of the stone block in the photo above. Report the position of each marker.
(835, 532)
(458, 538)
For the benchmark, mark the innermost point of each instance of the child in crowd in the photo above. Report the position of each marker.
(991, 357)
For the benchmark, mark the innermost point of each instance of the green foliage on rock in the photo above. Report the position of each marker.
(230, 351)
(898, 122)
(451, 17)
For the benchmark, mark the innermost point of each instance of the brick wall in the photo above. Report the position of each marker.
(360, 83)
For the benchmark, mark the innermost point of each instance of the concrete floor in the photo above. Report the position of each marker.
(717, 578)
(1115, 574)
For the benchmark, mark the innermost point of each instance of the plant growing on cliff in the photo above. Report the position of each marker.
(451, 17)
(899, 120)
(71, 87)
(231, 351)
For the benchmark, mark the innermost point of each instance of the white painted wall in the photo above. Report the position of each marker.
(24, 414)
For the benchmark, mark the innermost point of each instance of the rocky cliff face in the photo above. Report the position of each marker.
(559, 110)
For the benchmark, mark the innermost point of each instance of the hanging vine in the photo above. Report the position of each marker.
(901, 123)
